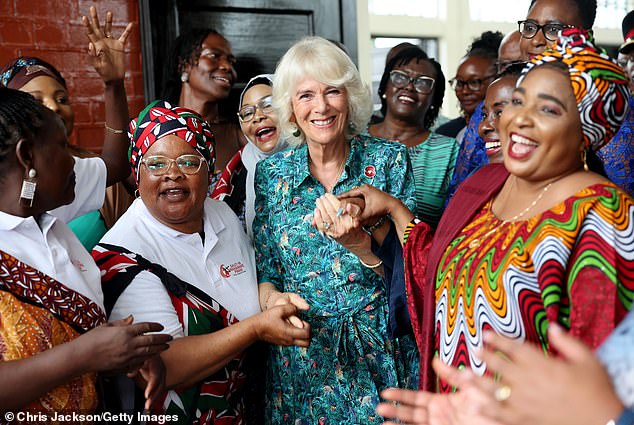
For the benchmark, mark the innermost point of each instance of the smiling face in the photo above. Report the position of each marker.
(548, 12)
(54, 166)
(54, 96)
(541, 128)
(262, 129)
(473, 68)
(497, 98)
(175, 199)
(213, 75)
(320, 111)
(406, 103)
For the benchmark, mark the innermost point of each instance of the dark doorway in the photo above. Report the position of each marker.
(260, 31)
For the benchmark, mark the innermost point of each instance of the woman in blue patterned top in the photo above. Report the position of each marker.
(322, 104)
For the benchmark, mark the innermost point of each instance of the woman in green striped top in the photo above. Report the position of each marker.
(411, 91)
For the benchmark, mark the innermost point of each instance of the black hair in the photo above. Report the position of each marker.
(486, 46)
(403, 58)
(185, 51)
(21, 117)
(513, 70)
(587, 10)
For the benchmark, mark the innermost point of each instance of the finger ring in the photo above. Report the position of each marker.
(502, 393)
(326, 225)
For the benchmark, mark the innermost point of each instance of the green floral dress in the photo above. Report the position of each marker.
(337, 379)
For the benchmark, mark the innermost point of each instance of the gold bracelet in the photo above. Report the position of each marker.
(113, 130)
(371, 266)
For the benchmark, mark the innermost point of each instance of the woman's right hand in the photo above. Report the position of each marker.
(121, 345)
(278, 325)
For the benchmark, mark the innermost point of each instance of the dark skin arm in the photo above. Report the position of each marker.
(193, 358)
(106, 54)
(110, 347)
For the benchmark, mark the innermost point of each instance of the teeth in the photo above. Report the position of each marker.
(522, 140)
(492, 145)
(406, 99)
(265, 131)
(324, 122)
(221, 79)
(174, 191)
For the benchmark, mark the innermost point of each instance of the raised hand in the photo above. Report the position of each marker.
(106, 53)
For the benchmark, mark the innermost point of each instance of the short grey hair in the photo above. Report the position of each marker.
(322, 60)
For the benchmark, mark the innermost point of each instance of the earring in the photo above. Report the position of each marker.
(584, 155)
(137, 194)
(184, 77)
(296, 132)
(383, 96)
(28, 189)
(351, 127)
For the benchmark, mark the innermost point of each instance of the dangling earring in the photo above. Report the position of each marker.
(28, 189)
(184, 77)
(383, 96)
(296, 132)
(351, 127)
(584, 154)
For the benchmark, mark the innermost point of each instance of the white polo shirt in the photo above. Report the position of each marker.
(50, 246)
(223, 267)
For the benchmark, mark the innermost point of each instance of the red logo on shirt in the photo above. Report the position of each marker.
(370, 171)
(234, 269)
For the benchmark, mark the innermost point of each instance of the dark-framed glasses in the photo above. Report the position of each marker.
(158, 165)
(265, 105)
(421, 83)
(474, 84)
(529, 29)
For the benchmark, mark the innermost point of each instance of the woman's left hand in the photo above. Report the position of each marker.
(332, 218)
(106, 53)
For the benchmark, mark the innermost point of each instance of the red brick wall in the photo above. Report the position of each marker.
(52, 30)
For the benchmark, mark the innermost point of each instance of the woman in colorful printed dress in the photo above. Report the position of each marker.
(52, 342)
(551, 242)
(258, 122)
(182, 259)
(322, 104)
(411, 92)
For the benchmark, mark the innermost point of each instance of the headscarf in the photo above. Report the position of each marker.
(251, 154)
(160, 119)
(598, 83)
(17, 73)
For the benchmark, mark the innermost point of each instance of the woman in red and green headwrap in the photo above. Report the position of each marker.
(183, 258)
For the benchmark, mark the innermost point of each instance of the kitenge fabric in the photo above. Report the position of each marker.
(572, 265)
(217, 399)
(598, 83)
(618, 155)
(160, 119)
(38, 313)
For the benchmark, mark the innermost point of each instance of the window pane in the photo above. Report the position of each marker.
(424, 8)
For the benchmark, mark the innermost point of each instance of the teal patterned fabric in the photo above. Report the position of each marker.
(337, 379)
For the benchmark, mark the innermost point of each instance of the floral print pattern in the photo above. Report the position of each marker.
(337, 379)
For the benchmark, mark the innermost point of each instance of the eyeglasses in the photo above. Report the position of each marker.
(625, 59)
(474, 84)
(159, 165)
(421, 83)
(265, 105)
(529, 29)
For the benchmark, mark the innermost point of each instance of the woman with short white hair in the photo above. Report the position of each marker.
(322, 105)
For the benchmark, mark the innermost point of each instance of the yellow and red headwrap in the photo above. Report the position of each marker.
(598, 83)
(160, 119)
